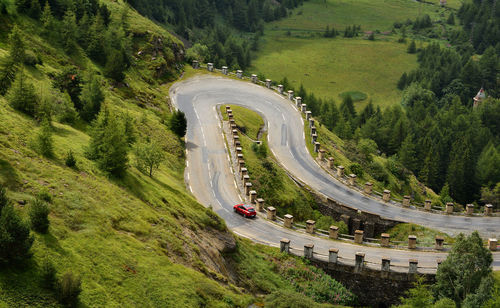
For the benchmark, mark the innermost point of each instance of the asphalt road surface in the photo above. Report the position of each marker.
(210, 179)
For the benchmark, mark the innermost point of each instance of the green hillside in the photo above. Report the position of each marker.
(132, 239)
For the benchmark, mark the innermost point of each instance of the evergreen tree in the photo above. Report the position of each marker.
(412, 48)
(460, 172)
(347, 108)
(115, 65)
(451, 19)
(35, 9)
(91, 98)
(44, 141)
(22, 95)
(4, 200)
(47, 20)
(488, 166)
(15, 239)
(489, 66)
(178, 123)
(68, 31)
(17, 48)
(108, 144)
(8, 70)
(408, 153)
(39, 216)
(402, 81)
(430, 171)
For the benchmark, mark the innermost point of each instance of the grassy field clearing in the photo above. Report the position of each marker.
(371, 15)
(329, 67)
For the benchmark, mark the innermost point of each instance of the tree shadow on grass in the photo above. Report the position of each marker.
(8, 175)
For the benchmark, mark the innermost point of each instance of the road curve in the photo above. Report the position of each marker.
(211, 181)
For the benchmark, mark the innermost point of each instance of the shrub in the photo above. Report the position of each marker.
(15, 239)
(44, 195)
(70, 159)
(356, 169)
(30, 58)
(4, 200)
(376, 170)
(39, 216)
(69, 288)
(44, 142)
(48, 274)
(178, 123)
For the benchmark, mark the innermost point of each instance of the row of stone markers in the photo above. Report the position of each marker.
(339, 171)
(359, 258)
(333, 233)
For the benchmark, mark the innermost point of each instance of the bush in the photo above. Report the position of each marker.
(44, 195)
(39, 216)
(376, 170)
(4, 200)
(356, 169)
(69, 288)
(70, 159)
(48, 274)
(44, 142)
(30, 58)
(15, 239)
(178, 123)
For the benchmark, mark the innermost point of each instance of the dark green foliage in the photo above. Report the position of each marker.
(69, 81)
(451, 19)
(108, 144)
(412, 48)
(352, 31)
(48, 274)
(330, 32)
(3, 10)
(39, 216)
(488, 166)
(17, 47)
(178, 123)
(68, 31)
(4, 200)
(70, 160)
(371, 37)
(347, 108)
(356, 169)
(422, 22)
(15, 239)
(8, 70)
(44, 142)
(92, 97)
(22, 95)
(478, 19)
(69, 288)
(35, 9)
(260, 150)
(44, 195)
(115, 66)
(465, 275)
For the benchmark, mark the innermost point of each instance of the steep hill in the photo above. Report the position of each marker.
(133, 239)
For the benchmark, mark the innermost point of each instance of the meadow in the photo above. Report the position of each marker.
(294, 47)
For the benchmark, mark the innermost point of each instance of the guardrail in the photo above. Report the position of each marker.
(242, 177)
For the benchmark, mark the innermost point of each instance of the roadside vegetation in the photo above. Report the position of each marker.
(269, 179)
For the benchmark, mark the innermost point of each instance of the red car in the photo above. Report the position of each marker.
(245, 210)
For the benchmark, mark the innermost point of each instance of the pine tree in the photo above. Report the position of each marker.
(68, 31)
(408, 153)
(488, 166)
(461, 172)
(108, 144)
(35, 9)
(115, 65)
(347, 108)
(451, 19)
(22, 95)
(8, 70)
(4, 200)
(91, 98)
(47, 20)
(44, 141)
(412, 48)
(39, 216)
(178, 123)
(15, 239)
(402, 81)
(17, 48)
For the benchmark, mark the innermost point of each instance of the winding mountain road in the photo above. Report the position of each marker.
(209, 176)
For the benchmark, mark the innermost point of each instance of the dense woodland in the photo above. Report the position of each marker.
(435, 133)
(224, 32)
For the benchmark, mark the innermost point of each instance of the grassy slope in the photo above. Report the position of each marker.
(329, 67)
(137, 241)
